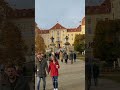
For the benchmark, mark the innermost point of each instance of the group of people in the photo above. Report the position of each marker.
(64, 56)
(10, 79)
(42, 69)
(91, 71)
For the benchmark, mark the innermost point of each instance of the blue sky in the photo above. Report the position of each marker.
(22, 4)
(69, 13)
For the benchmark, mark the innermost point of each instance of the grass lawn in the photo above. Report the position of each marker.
(112, 76)
(81, 57)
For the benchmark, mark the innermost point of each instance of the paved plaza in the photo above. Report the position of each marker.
(71, 77)
(105, 84)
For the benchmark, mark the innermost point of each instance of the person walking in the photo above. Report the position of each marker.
(61, 56)
(66, 57)
(53, 69)
(96, 72)
(74, 56)
(71, 57)
(42, 68)
(88, 74)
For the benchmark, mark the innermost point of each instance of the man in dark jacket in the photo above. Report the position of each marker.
(74, 57)
(41, 71)
(88, 74)
(66, 57)
(12, 81)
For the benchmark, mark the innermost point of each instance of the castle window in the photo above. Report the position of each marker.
(89, 21)
(24, 14)
(98, 19)
(89, 31)
(57, 32)
(112, 5)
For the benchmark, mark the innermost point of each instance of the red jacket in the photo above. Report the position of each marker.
(53, 69)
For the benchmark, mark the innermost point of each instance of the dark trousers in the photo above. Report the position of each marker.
(38, 83)
(61, 60)
(75, 60)
(55, 81)
(66, 61)
(95, 81)
(88, 84)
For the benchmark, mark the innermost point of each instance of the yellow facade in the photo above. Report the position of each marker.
(110, 11)
(25, 23)
(115, 13)
(58, 32)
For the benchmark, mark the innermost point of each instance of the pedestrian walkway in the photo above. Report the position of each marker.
(71, 76)
(105, 84)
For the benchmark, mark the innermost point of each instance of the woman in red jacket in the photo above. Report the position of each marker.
(53, 69)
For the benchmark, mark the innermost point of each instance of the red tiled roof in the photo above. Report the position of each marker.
(57, 26)
(71, 30)
(43, 31)
(78, 29)
(38, 31)
(21, 13)
(104, 8)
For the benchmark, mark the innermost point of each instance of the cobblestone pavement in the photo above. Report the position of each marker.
(71, 77)
(105, 84)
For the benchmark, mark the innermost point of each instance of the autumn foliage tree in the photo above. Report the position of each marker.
(12, 47)
(106, 38)
(39, 42)
(79, 43)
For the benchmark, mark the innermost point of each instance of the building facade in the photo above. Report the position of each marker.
(59, 32)
(24, 20)
(108, 10)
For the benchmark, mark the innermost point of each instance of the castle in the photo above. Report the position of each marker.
(59, 32)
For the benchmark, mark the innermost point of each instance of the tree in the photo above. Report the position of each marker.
(39, 42)
(79, 43)
(11, 44)
(14, 47)
(107, 45)
(4, 9)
